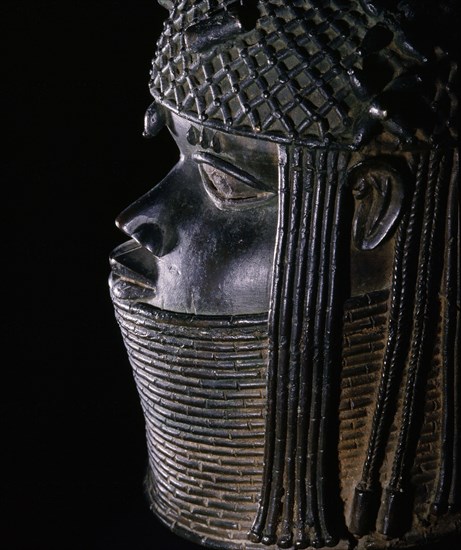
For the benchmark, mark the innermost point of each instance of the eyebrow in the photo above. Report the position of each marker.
(232, 170)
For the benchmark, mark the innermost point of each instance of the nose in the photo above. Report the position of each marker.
(145, 222)
(150, 236)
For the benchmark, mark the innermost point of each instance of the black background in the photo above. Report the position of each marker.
(75, 75)
(76, 80)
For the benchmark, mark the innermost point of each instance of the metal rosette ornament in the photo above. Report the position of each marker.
(332, 417)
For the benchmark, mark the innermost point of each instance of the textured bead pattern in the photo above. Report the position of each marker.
(306, 72)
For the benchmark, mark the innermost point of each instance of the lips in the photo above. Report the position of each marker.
(134, 272)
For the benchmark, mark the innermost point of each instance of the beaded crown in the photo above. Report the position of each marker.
(304, 70)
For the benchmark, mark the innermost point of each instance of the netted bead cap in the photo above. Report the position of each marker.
(311, 71)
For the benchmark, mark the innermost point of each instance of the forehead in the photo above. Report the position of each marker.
(191, 136)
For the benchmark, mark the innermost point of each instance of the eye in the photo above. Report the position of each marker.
(228, 186)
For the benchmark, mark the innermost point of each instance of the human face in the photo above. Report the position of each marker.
(203, 238)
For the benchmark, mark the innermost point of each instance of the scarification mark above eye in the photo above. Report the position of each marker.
(203, 138)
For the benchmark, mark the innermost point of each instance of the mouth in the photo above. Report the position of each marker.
(133, 272)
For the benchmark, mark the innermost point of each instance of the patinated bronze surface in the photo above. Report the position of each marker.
(290, 295)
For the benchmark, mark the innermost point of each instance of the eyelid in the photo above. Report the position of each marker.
(232, 170)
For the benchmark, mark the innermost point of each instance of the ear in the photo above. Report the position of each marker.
(378, 191)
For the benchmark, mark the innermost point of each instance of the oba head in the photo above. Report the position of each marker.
(289, 295)
(239, 83)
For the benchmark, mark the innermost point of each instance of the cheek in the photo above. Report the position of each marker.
(222, 262)
(248, 261)
(226, 259)
(206, 233)
(227, 236)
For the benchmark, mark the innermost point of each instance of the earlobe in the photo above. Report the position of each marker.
(378, 190)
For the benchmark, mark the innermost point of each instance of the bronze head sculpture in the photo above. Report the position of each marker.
(289, 299)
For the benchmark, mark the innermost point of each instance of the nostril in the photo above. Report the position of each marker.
(150, 236)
